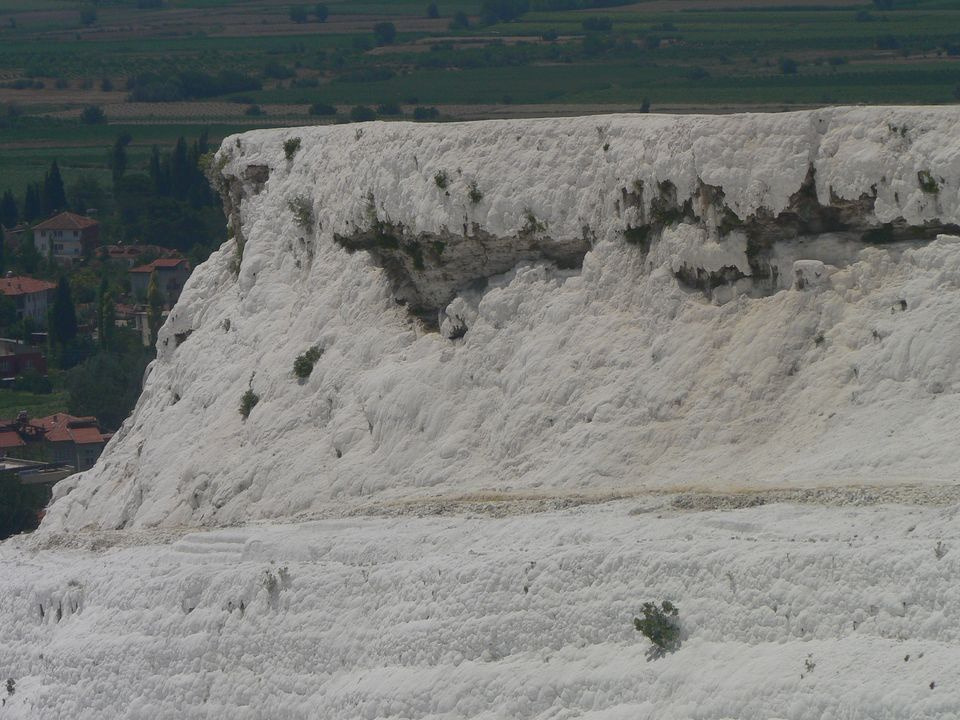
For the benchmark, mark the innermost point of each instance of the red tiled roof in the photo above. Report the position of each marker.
(66, 221)
(119, 251)
(132, 251)
(10, 439)
(158, 264)
(23, 285)
(67, 428)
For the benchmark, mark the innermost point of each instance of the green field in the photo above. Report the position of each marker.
(83, 150)
(13, 401)
(686, 60)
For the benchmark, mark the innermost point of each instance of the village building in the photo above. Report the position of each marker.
(31, 296)
(67, 237)
(172, 274)
(16, 358)
(32, 472)
(63, 438)
(77, 441)
(133, 255)
(12, 237)
(136, 317)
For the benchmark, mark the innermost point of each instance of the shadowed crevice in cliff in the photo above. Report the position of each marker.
(804, 217)
(427, 270)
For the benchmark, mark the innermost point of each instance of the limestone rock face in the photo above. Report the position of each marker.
(602, 304)
(810, 274)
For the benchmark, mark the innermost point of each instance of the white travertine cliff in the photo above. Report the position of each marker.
(622, 305)
(740, 333)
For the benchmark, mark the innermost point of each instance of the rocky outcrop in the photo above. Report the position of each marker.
(625, 303)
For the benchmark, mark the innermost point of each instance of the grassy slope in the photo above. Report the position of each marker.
(12, 402)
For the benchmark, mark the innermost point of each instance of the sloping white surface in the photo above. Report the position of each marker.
(613, 378)
(788, 612)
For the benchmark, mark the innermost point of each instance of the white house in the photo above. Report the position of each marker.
(31, 296)
(66, 237)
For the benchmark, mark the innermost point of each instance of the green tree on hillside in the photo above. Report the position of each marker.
(88, 15)
(93, 115)
(54, 196)
(62, 326)
(86, 193)
(20, 505)
(118, 156)
(107, 384)
(31, 203)
(298, 13)
(494, 11)
(180, 171)
(9, 215)
(8, 312)
(26, 257)
(159, 173)
(106, 316)
(385, 33)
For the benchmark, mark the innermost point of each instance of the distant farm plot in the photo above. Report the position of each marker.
(158, 73)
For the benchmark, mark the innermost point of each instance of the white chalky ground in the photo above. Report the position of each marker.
(570, 385)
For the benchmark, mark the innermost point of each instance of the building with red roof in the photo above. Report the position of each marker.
(12, 237)
(31, 296)
(10, 439)
(66, 237)
(172, 274)
(132, 255)
(75, 441)
(16, 358)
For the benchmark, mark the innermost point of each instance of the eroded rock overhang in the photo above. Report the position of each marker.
(727, 203)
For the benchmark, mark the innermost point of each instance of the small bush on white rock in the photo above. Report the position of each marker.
(474, 193)
(290, 147)
(248, 400)
(302, 211)
(659, 626)
(247, 403)
(303, 365)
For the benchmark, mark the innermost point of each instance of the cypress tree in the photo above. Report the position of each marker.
(106, 316)
(31, 203)
(180, 170)
(101, 294)
(118, 157)
(8, 210)
(54, 197)
(63, 319)
(155, 169)
(199, 194)
(159, 173)
(64, 326)
(109, 320)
